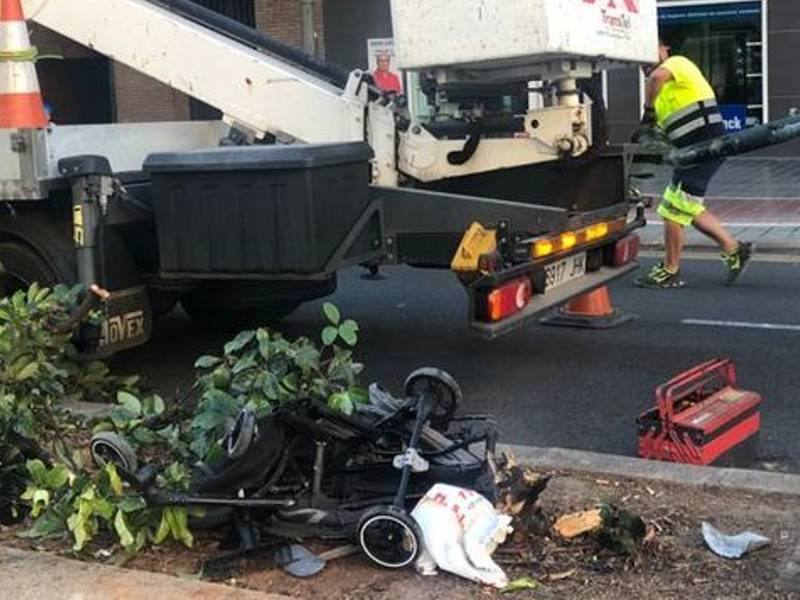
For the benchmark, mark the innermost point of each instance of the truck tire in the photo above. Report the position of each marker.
(20, 266)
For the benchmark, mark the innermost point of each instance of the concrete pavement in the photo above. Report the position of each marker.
(29, 575)
(758, 199)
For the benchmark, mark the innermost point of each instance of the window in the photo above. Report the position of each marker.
(726, 41)
(242, 10)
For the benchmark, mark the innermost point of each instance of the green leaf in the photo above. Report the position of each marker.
(329, 335)
(239, 342)
(38, 472)
(244, 363)
(126, 538)
(145, 436)
(206, 362)
(130, 403)
(291, 382)
(523, 583)
(347, 331)
(208, 420)
(153, 406)
(57, 477)
(163, 528)
(28, 371)
(215, 400)
(331, 313)
(178, 520)
(114, 479)
(130, 504)
(47, 524)
(307, 358)
(341, 402)
(358, 395)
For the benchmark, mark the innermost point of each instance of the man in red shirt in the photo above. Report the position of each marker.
(386, 80)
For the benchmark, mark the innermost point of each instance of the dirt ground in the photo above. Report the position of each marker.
(674, 564)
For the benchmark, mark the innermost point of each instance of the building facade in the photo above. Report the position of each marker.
(747, 48)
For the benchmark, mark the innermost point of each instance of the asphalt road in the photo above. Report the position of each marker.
(552, 386)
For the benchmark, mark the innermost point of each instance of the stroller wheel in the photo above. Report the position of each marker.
(442, 387)
(109, 447)
(389, 536)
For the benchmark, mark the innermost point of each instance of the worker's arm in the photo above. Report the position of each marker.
(655, 81)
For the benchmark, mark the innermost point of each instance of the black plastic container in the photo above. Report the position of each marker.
(257, 209)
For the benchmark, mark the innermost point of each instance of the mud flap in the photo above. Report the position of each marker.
(128, 322)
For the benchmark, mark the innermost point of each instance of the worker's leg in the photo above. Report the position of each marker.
(695, 182)
(674, 235)
(666, 275)
(709, 225)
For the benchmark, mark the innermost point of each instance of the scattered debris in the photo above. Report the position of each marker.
(622, 531)
(561, 576)
(616, 529)
(461, 530)
(575, 524)
(732, 546)
(518, 487)
(523, 583)
(298, 560)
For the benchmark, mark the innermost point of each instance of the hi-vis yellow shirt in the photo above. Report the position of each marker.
(686, 87)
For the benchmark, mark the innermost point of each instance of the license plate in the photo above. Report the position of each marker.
(565, 270)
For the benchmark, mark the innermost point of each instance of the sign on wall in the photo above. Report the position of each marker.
(734, 117)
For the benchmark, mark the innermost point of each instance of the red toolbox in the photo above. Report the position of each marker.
(701, 418)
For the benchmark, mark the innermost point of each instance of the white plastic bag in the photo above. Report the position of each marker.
(461, 530)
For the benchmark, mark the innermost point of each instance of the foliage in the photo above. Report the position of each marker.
(37, 370)
(260, 369)
(87, 503)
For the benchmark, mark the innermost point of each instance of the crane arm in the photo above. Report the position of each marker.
(253, 89)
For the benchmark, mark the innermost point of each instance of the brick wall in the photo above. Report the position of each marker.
(282, 19)
(140, 98)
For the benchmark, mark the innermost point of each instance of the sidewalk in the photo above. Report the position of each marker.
(758, 199)
(27, 575)
(672, 499)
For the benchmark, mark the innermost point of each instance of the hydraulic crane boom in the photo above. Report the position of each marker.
(254, 90)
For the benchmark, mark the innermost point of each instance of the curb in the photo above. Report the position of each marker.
(623, 466)
(28, 575)
(764, 249)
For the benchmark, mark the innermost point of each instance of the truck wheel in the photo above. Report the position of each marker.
(20, 267)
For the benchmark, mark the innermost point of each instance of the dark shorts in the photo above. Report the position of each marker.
(694, 180)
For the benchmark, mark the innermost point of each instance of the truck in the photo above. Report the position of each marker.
(495, 165)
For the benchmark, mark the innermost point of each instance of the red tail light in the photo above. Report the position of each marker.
(626, 250)
(508, 299)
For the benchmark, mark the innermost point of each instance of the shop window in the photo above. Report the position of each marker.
(726, 41)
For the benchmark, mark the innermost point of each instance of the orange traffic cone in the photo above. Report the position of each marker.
(20, 99)
(592, 310)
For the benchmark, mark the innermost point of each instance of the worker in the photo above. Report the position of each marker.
(680, 102)
(386, 80)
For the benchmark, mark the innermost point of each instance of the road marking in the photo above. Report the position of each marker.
(741, 325)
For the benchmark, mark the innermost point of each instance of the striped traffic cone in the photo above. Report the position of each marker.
(592, 310)
(20, 99)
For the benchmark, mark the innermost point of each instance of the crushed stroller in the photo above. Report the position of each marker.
(308, 472)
